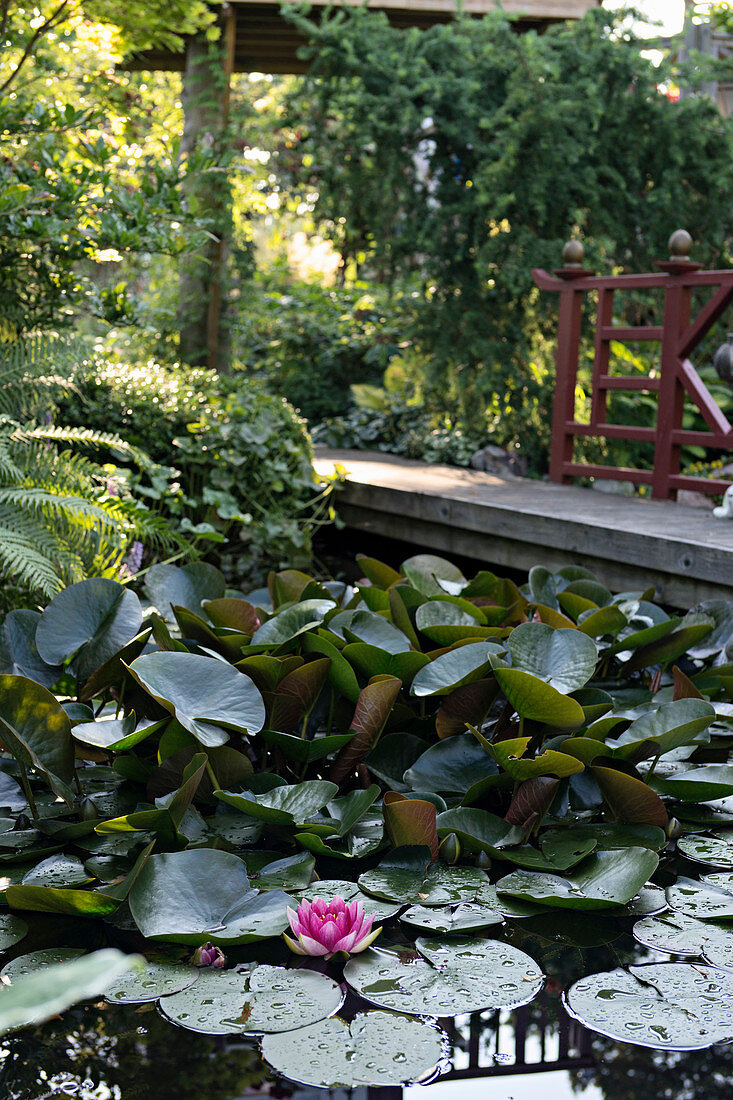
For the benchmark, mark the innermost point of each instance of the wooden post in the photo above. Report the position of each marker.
(206, 94)
(568, 347)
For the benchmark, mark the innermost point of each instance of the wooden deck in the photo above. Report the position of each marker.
(627, 542)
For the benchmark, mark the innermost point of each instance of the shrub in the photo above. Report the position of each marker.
(238, 470)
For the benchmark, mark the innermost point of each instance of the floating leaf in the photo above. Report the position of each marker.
(701, 784)
(89, 621)
(58, 870)
(678, 934)
(19, 654)
(711, 899)
(375, 1048)
(666, 1006)
(183, 586)
(433, 576)
(12, 930)
(37, 731)
(37, 997)
(410, 821)
(478, 830)
(207, 696)
(565, 659)
(464, 917)
(629, 799)
(451, 766)
(538, 701)
(447, 977)
(371, 629)
(455, 668)
(287, 805)
(510, 756)
(407, 876)
(667, 728)
(156, 979)
(262, 999)
(715, 850)
(294, 620)
(202, 894)
(605, 879)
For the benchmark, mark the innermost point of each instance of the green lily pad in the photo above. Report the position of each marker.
(478, 830)
(564, 659)
(451, 766)
(294, 620)
(288, 805)
(666, 1006)
(12, 930)
(38, 996)
(464, 917)
(433, 576)
(647, 903)
(408, 876)
(19, 654)
(203, 894)
(507, 906)
(183, 586)
(678, 934)
(715, 850)
(667, 728)
(445, 977)
(537, 700)
(458, 666)
(711, 899)
(376, 1048)
(253, 1001)
(702, 784)
(374, 630)
(116, 734)
(605, 879)
(58, 870)
(37, 731)
(36, 961)
(89, 621)
(207, 696)
(156, 979)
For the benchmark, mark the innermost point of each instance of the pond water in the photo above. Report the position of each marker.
(104, 1051)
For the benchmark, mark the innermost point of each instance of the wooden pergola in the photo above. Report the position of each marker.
(256, 37)
(263, 41)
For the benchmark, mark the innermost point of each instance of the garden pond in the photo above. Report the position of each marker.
(527, 788)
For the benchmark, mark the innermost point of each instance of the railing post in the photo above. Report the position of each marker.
(671, 402)
(570, 318)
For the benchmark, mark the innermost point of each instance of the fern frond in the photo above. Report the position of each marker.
(29, 368)
(43, 504)
(85, 437)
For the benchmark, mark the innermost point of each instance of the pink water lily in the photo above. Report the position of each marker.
(325, 927)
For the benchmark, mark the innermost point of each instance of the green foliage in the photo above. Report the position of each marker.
(243, 476)
(61, 515)
(467, 154)
(311, 343)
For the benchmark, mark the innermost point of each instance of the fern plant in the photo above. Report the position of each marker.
(62, 517)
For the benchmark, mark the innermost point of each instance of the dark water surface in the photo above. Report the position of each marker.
(537, 1052)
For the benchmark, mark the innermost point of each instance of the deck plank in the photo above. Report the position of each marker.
(518, 523)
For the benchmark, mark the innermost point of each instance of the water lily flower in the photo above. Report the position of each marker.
(325, 927)
(208, 955)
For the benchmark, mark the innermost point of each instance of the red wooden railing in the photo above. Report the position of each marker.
(676, 379)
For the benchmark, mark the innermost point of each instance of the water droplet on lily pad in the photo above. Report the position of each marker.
(376, 1048)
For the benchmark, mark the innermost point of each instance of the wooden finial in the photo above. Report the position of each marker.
(680, 245)
(573, 253)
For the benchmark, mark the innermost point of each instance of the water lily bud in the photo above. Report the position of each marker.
(450, 848)
(89, 811)
(483, 860)
(208, 955)
(674, 829)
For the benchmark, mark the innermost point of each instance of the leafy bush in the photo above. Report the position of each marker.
(62, 516)
(311, 343)
(242, 476)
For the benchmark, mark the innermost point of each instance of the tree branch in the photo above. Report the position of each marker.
(39, 32)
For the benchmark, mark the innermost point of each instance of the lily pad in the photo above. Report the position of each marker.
(202, 894)
(58, 870)
(408, 876)
(451, 766)
(294, 620)
(183, 586)
(603, 880)
(464, 917)
(19, 654)
(666, 1006)
(263, 999)
(207, 696)
(445, 977)
(156, 979)
(36, 961)
(458, 666)
(539, 701)
(12, 930)
(650, 901)
(564, 659)
(39, 996)
(678, 934)
(376, 1048)
(37, 731)
(708, 900)
(288, 805)
(89, 621)
(715, 850)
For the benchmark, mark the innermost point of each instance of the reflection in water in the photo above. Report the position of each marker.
(113, 1052)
